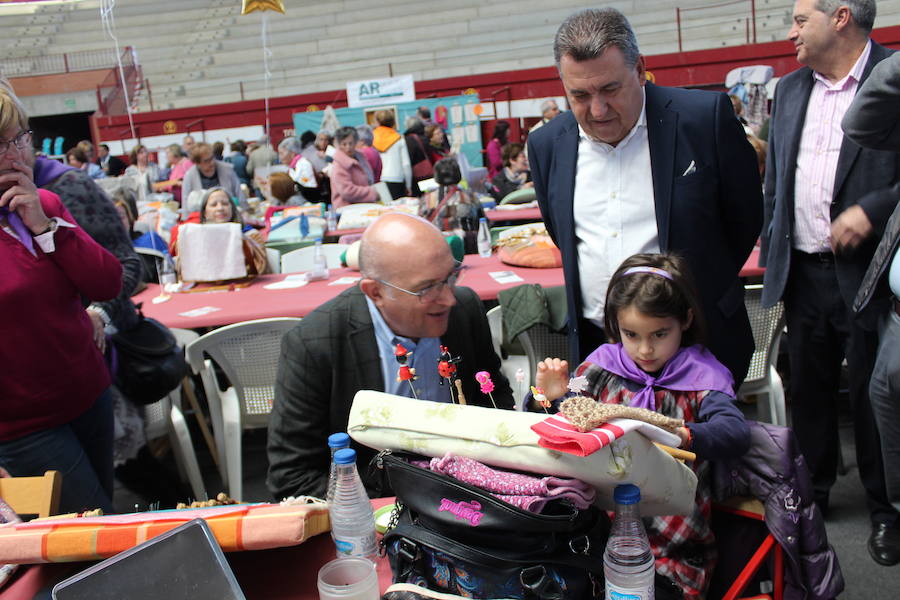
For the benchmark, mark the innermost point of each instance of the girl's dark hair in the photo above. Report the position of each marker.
(501, 131)
(655, 295)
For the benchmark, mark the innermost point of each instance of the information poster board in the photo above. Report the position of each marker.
(459, 115)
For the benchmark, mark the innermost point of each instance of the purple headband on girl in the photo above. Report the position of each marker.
(651, 270)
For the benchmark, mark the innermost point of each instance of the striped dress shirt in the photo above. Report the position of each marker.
(817, 159)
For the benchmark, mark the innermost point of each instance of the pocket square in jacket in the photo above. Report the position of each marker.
(690, 169)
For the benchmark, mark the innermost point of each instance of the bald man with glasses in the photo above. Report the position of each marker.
(407, 296)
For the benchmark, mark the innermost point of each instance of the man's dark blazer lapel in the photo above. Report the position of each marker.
(793, 102)
(365, 361)
(661, 132)
(565, 157)
(849, 149)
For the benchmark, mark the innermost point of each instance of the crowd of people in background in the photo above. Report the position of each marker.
(636, 270)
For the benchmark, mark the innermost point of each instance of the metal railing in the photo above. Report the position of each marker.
(51, 64)
(111, 96)
(749, 19)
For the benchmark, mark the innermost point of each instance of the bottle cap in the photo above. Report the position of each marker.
(627, 493)
(345, 456)
(338, 440)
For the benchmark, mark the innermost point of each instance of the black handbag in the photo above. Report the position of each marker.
(149, 362)
(456, 538)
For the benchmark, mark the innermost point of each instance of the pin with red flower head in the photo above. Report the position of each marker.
(405, 372)
(487, 386)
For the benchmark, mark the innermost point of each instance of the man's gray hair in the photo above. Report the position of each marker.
(291, 144)
(547, 104)
(588, 33)
(863, 11)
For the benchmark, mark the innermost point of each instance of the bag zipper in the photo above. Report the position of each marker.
(548, 523)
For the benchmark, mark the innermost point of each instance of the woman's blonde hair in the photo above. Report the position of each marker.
(12, 111)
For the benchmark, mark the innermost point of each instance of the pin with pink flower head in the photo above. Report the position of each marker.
(487, 386)
(520, 379)
(540, 398)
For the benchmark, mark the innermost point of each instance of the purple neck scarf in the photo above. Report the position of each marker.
(692, 369)
(15, 222)
(47, 169)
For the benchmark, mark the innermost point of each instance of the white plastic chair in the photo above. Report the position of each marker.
(301, 259)
(273, 260)
(762, 377)
(509, 363)
(247, 353)
(164, 417)
(539, 342)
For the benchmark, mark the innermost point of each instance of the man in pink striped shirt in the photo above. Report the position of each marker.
(826, 203)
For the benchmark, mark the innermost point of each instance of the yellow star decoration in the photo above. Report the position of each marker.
(250, 6)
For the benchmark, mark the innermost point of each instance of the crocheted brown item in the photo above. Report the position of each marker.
(586, 414)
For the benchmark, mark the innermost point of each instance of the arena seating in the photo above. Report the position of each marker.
(205, 52)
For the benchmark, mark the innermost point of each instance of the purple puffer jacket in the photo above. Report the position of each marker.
(774, 472)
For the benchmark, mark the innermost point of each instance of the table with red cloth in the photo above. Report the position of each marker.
(257, 302)
(277, 574)
(521, 215)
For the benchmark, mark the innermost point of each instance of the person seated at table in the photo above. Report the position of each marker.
(78, 158)
(451, 208)
(126, 206)
(656, 360)
(351, 175)
(301, 170)
(216, 206)
(143, 170)
(284, 191)
(208, 173)
(515, 174)
(434, 147)
(178, 166)
(408, 295)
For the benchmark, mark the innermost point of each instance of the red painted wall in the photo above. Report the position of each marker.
(702, 68)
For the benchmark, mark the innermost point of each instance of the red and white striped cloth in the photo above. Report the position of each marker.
(557, 433)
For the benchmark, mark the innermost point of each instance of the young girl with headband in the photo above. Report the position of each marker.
(656, 361)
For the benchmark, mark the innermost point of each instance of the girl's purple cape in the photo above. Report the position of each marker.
(692, 369)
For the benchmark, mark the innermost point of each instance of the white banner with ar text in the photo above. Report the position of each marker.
(372, 92)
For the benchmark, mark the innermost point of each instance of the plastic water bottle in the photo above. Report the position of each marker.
(628, 563)
(331, 220)
(336, 441)
(320, 264)
(352, 519)
(484, 239)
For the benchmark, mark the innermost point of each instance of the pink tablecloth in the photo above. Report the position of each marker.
(525, 215)
(257, 302)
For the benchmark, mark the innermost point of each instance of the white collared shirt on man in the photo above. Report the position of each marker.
(614, 210)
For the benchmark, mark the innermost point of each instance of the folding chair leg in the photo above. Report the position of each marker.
(750, 569)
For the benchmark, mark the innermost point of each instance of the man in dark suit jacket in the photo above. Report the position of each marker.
(111, 165)
(681, 165)
(408, 296)
(827, 201)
